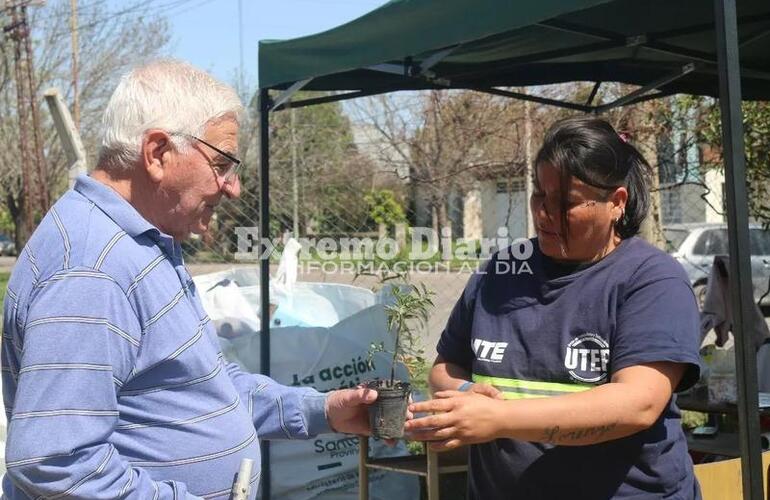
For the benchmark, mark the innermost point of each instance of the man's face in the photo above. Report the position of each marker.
(192, 186)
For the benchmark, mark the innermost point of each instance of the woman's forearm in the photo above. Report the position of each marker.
(601, 414)
(632, 402)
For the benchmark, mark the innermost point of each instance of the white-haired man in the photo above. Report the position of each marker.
(113, 380)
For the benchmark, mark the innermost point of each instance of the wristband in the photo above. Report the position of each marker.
(465, 386)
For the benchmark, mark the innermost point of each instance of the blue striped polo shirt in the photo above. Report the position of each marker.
(113, 379)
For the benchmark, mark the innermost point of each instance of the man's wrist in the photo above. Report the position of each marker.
(316, 411)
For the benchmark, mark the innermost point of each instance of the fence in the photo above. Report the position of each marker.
(394, 170)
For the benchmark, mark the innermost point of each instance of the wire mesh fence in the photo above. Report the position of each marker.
(425, 185)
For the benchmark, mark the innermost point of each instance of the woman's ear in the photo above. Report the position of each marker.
(156, 149)
(618, 198)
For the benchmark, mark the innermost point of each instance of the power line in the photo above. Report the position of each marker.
(168, 7)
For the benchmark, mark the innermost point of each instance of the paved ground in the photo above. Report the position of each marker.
(6, 263)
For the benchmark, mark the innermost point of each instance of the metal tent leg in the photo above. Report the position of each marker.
(264, 265)
(738, 231)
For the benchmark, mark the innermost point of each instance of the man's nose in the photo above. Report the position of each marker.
(232, 189)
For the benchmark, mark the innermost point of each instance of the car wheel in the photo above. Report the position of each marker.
(700, 294)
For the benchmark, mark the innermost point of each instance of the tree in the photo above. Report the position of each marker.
(384, 207)
(321, 157)
(110, 42)
(756, 125)
(442, 142)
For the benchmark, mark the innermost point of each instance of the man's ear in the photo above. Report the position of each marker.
(156, 150)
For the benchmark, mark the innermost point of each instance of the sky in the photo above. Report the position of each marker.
(205, 32)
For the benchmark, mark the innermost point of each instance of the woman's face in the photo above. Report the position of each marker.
(591, 216)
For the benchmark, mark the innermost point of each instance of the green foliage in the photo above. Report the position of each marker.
(693, 419)
(407, 316)
(311, 150)
(7, 226)
(384, 207)
(756, 124)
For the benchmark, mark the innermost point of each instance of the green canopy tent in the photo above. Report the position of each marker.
(663, 46)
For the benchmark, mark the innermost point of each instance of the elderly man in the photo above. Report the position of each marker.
(113, 380)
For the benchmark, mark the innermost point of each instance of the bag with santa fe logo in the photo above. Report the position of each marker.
(320, 336)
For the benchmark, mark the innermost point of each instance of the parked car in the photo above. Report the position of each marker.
(7, 246)
(695, 245)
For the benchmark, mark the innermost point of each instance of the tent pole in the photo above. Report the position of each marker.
(312, 101)
(264, 265)
(594, 91)
(289, 93)
(738, 231)
(533, 98)
(622, 101)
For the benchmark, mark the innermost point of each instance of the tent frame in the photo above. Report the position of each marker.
(729, 72)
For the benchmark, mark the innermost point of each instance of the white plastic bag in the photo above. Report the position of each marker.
(325, 356)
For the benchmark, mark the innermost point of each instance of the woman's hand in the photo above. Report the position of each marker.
(459, 418)
(485, 390)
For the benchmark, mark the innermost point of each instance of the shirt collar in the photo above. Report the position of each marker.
(115, 207)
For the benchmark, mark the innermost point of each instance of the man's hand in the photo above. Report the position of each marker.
(460, 418)
(346, 410)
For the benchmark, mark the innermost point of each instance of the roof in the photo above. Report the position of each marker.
(512, 43)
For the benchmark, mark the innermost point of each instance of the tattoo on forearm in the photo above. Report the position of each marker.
(550, 434)
(554, 436)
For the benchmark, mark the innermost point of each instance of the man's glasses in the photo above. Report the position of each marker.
(226, 167)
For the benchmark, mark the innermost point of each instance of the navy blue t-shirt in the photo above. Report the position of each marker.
(533, 332)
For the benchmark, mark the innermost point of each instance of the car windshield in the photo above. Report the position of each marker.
(674, 238)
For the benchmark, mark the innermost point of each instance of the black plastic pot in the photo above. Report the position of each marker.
(388, 414)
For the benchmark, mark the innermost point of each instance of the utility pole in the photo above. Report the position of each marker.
(75, 56)
(294, 181)
(529, 174)
(39, 160)
(31, 160)
(241, 81)
(17, 29)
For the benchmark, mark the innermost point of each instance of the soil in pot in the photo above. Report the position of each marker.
(388, 414)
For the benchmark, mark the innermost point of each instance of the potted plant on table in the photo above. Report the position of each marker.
(407, 316)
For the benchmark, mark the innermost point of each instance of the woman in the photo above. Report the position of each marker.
(562, 379)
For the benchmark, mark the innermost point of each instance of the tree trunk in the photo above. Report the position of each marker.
(16, 211)
(442, 217)
(652, 227)
(646, 142)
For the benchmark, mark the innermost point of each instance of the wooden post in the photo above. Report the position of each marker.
(431, 479)
(363, 471)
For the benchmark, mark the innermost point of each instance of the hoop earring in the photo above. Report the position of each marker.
(617, 220)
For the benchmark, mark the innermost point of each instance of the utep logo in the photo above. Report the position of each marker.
(489, 352)
(587, 358)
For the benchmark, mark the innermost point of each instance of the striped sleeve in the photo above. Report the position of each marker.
(79, 341)
(279, 411)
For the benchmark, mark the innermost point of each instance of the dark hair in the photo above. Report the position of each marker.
(589, 148)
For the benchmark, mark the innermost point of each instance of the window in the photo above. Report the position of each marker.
(514, 185)
(671, 201)
(760, 242)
